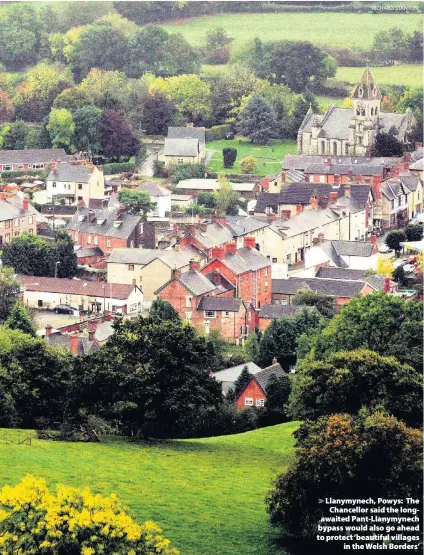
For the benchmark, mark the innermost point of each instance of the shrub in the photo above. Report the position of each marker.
(159, 169)
(218, 132)
(230, 155)
(23, 173)
(248, 164)
(187, 171)
(34, 520)
(118, 167)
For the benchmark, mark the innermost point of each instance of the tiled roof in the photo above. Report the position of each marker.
(278, 310)
(417, 154)
(188, 132)
(76, 287)
(245, 260)
(367, 88)
(263, 376)
(8, 211)
(418, 165)
(214, 235)
(226, 304)
(173, 258)
(154, 189)
(410, 181)
(243, 226)
(181, 147)
(93, 251)
(107, 228)
(340, 273)
(353, 248)
(231, 374)
(69, 172)
(103, 331)
(196, 282)
(332, 287)
(31, 156)
(392, 188)
(305, 221)
(340, 165)
(63, 341)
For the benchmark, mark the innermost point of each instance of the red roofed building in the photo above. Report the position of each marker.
(254, 393)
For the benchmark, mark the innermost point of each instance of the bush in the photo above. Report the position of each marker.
(23, 173)
(218, 132)
(248, 164)
(187, 171)
(73, 521)
(230, 155)
(159, 169)
(118, 168)
(346, 56)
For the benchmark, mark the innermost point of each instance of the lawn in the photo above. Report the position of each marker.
(207, 494)
(336, 29)
(409, 75)
(269, 158)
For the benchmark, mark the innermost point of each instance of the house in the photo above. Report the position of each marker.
(75, 184)
(254, 393)
(206, 237)
(229, 376)
(107, 229)
(342, 131)
(103, 332)
(47, 293)
(160, 196)
(377, 282)
(270, 311)
(245, 268)
(355, 255)
(15, 220)
(392, 209)
(230, 316)
(284, 290)
(416, 163)
(89, 256)
(148, 268)
(181, 201)
(183, 145)
(415, 198)
(198, 185)
(21, 202)
(29, 159)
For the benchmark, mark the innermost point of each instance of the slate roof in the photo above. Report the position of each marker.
(63, 341)
(226, 304)
(340, 273)
(215, 235)
(9, 212)
(181, 147)
(340, 165)
(103, 331)
(196, 282)
(245, 260)
(367, 88)
(332, 287)
(243, 226)
(392, 188)
(69, 172)
(305, 221)
(231, 374)
(31, 156)
(154, 189)
(263, 376)
(93, 251)
(188, 132)
(418, 165)
(417, 154)
(410, 181)
(107, 228)
(76, 287)
(173, 258)
(278, 310)
(353, 248)
(378, 283)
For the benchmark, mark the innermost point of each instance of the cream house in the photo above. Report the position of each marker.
(15, 220)
(75, 183)
(183, 145)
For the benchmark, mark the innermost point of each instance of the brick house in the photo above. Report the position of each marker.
(208, 236)
(230, 316)
(254, 393)
(15, 220)
(29, 159)
(246, 268)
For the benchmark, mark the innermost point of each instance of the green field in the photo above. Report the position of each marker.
(326, 101)
(269, 158)
(409, 75)
(207, 494)
(336, 29)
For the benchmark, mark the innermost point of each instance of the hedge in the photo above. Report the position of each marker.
(218, 132)
(118, 168)
(22, 173)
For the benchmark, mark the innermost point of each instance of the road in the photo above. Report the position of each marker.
(147, 167)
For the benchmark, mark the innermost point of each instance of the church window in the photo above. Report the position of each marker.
(358, 112)
(359, 140)
(322, 147)
(372, 111)
(363, 112)
(346, 149)
(334, 147)
(376, 111)
(360, 128)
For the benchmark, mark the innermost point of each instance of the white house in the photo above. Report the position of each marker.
(159, 195)
(75, 183)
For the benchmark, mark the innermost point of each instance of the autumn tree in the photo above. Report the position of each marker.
(248, 164)
(7, 109)
(116, 136)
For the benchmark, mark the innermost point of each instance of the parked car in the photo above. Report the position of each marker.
(64, 309)
(384, 248)
(409, 268)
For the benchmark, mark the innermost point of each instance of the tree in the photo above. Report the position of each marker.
(413, 232)
(9, 290)
(87, 128)
(386, 145)
(241, 382)
(64, 253)
(18, 37)
(217, 49)
(277, 394)
(72, 99)
(226, 197)
(136, 202)
(349, 380)
(388, 325)
(325, 304)
(7, 110)
(394, 238)
(391, 45)
(116, 136)
(373, 455)
(162, 311)
(258, 121)
(399, 276)
(229, 155)
(158, 113)
(30, 501)
(20, 319)
(14, 136)
(278, 341)
(251, 346)
(61, 128)
(181, 57)
(187, 171)
(147, 51)
(248, 164)
(206, 199)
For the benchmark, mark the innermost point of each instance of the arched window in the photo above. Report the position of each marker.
(346, 149)
(334, 147)
(376, 111)
(358, 112)
(363, 112)
(372, 111)
(322, 147)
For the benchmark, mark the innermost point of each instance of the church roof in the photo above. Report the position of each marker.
(367, 88)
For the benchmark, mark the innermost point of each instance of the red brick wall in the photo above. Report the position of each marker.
(229, 326)
(252, 391)
(115, 243)
(175, 293)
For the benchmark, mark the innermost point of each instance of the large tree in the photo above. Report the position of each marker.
(349, 380)
(21, 319)
(136, 202)
(87, 128)
(217, 49)
(386, 145)
(7, 109)
(158, 113)
(325, 304)
(226, 198)
(61, 127)
(394, 239)
(373, 455)
(258, 121)
(9, 291)
(162, 311)
(116, 136)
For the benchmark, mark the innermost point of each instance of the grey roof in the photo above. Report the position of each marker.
(228, 376)
(392, 188)
(31, 156)
(93, 251)
(188, 132)
(367, 87)
(8, 211)
(340, 273)
(104, 331)
(410, 181)
(278, 310)
(418, 165)
(340, 165)
(226, 304)
(390, 122)
(245, 225)
(332, 287)
(69, 172)
(196, 282)
(417, 154)
(181, 147)
(263, 376)
(378, 283)
(305, 221)
(172, 258)
(154, 189)
(346, 204)
(63, 342)
(107, 228)
(353, 248)
(215, 235)
(245, 259)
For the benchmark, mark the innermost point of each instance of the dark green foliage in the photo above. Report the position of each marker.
(187, 171)
(158, 113)
(118, 167)
(413, 232)
(159, 169)
(277, 394)
(12, 174)
(116, 136)
(386, 145)
(258, 121)
(206, 199)
(349, 380)
(87, 128)
(19, 37)
(20, 319)
(136, 202)
(217, 49)
(399, 275)
(373, 455)
(230, 155)
(162, 311)
(242, 381)
(65, 254)
(325, 304)
(217, 132)
(394, 238)
(9, 291)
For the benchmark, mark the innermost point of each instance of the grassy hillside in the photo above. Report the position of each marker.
(207, 494)
(338, 29)
(409, 75)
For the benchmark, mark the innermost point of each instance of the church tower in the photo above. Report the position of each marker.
(366, 109)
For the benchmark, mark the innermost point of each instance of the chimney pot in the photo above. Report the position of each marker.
(218, 252)
(334, 195)
(347, 191)
(74, 343)
(25, 203)
(250, 242)
(274, 361)
(194, 265)
(387, 285)
(329, 161)
(176, 272)
(91, 332)
(48, 330)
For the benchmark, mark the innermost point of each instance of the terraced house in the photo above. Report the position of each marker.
(15, 220)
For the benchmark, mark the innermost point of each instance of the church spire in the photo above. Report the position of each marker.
(367, 88)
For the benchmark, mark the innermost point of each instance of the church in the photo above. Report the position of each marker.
(352, 132)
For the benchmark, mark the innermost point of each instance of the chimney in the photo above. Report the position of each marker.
(314, 203)
(250, 242)
(25, 203)
(283, 176)
(395, 171)
(298, 208)
(53, 166)
(91, 332)
(387, 285)
(349, 174)
(174, 228)
(74, 343)
(91, 216)
(216, 218)
(406, 160)
(100, 168)
(91, 169)
(218, 252)
(347, 190)
(48, 330)
(176, 273)
(271, 217)
(194, 265)
(230, 248)
(334, 195)
(329, 161)
(274, 361)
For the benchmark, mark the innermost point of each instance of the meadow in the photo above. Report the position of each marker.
(405, 74)
(206, 494)
(269, 157)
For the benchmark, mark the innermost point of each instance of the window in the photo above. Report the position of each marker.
(269, 210)
(189, 302)
(372, 111)
(108, 242)
(334, 147)
(76, 237)
(54, 184)
(40, 302)
(274, 261)
(131, 267)
(210, 314)
(188, 315)
(260, 402)
(69, 186)
(79, 186)
(16, 234)
(7, 168)
(393, 204)
(7, 223)
(226, 314)
(20, 166)
(248, 402)
(266, 272)
(16, 223)
(180, 160)
(284, 302)
(359, 140)
(322, 147)
(89, 239)
(96, 240)
(30, 219)
(38, 166)
(376, 111)
(346, 149)
(133, 307)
